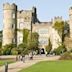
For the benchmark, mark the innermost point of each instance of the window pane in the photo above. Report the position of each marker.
(13, 15)
(21, 25)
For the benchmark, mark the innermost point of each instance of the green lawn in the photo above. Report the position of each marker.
(2, 62)
(50, 66)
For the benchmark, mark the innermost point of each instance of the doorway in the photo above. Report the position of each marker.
(42, 51)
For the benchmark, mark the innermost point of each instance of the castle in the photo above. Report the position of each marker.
(14, 19)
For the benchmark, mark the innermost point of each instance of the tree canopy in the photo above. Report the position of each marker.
(59, 26)
(33, 41)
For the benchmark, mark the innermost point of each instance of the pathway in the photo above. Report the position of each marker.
(17, 66)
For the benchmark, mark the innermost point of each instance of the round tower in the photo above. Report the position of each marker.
(9, 23)
(70, 21)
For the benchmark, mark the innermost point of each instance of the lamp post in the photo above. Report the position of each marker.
(6, 67)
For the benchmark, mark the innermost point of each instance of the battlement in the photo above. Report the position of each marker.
(8, 6)
(55, 19)
(58, 17)
(24, 13)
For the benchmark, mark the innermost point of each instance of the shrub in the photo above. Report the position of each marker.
(1, 51)
(66, 56)
(14, 51)
(61, 49)
(6, 51)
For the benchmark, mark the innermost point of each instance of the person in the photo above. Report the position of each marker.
(23, 58)
(17, 58)
(31, 56)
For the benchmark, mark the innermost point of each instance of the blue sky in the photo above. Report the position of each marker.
(46, 9)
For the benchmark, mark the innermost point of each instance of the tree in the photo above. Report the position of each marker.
(49, 47)
(1, 51)
(66, 29)
(25, 35)
(33, 42)
(61, 49)
(1, 39)
(0, 44)
(30, 42)
(59, 26)
(14, 51)
(22, 49)
(24, 45)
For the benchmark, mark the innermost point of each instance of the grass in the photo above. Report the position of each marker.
(50, 66)
(2, 62)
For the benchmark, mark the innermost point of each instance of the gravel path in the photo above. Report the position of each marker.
(17, 66)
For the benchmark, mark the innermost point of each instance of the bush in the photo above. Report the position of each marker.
(48, 49)
(66, 56)
(14, 51)
(61, 49)
(6, 51)
(1, 51)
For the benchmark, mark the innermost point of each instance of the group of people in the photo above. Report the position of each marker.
(22, 57)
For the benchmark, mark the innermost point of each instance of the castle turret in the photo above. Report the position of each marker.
(70, 21)
(34, 15)
(34, 9)
(9, 23)
(58, 18)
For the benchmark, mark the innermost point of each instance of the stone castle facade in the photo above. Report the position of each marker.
(14, 19)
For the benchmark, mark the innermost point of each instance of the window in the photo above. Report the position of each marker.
(43, 40)
(13, 26)
(13, 40)
(43, 31)
(21, 25)
(13, 15)
(25, 18)
(20, 39)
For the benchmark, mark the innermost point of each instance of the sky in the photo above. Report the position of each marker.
(46, 9)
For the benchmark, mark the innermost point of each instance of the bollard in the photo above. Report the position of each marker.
(6, 67)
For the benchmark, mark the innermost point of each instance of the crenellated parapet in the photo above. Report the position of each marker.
(55, 19)
(25, 14)
(8, 6)
(58, 18)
